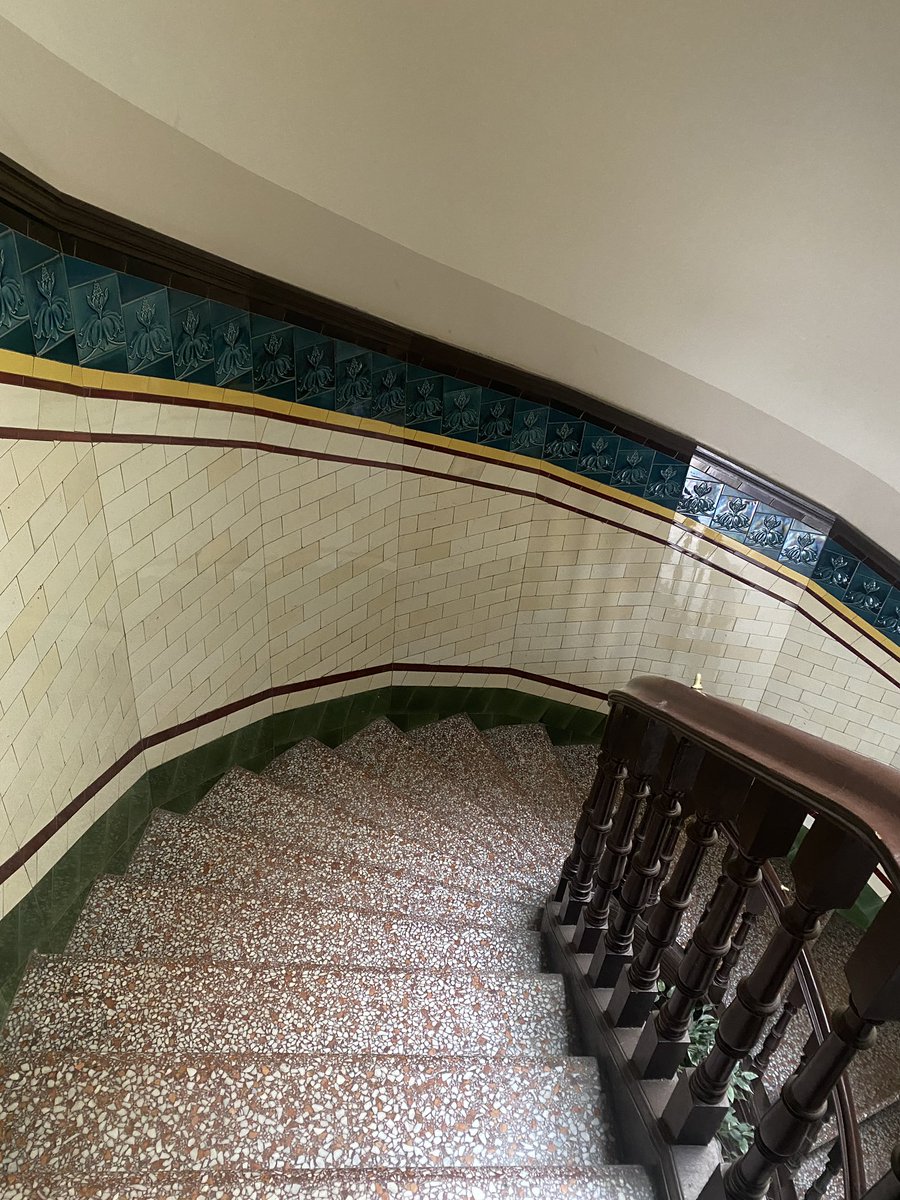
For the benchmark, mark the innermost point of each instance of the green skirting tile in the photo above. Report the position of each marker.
(45, 917)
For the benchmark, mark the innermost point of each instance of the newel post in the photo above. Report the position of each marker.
(676, 773)
(645, 750)
(716, 795)
(829, 870)
(873, 972)
(767, 825)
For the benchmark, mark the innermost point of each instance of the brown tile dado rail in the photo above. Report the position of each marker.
(678, 768)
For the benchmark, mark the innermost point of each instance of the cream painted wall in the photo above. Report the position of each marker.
(149, 584)
(721, 197)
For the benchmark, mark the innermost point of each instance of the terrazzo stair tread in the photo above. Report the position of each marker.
(242, 801)
(160, 1006)
(459, 747)
(254, 1113)
(123, 918)
(528, 755)
(487, 1183)
(874, 1075)
(336, 783)
(178, 851)
(386, 750)
(579, 761)
(878, 1136)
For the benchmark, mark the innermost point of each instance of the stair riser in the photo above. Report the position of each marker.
(121, 921)
(254, 1115)
(279, 821)
(526, 1183)
(97, 1007)
(179, 853)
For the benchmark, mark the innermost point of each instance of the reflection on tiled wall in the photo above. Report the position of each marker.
(161, 593)
(65, 309)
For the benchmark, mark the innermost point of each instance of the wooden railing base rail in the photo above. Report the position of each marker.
(673, 755)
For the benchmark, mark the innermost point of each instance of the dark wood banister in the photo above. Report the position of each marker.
(814, 1000)
(855, 792)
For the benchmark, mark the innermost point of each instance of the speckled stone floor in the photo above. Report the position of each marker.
(324, 984)
(178, 851)
(492, 1183)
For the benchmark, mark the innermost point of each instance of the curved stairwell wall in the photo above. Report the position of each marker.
(181, 560)
(177, 571)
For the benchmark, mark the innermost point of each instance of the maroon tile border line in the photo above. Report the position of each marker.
(31, 847)
(10, 432)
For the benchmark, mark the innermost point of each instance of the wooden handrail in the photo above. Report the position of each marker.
(855, 792)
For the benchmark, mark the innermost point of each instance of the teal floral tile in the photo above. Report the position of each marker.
(802, 548)
(599, 449)
(562, 444)
(314, 368)
(148, 335)
(700, 497)
(734, 513)
(633, 465)
(666, 481)
(273, 363)
(191, 336)
(99, 324)
(424, 400)
(231, 350)
(529, 428)
(835, 569)
(50, 309)
(353, 379)
(888, 619)
(15, 330)
(461, 411)
(388, 390)
(867, 593)
(767, 531)
(496, 419)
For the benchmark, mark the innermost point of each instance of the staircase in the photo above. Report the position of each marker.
(324, 983)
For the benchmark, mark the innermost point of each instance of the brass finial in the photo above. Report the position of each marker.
(697, 685)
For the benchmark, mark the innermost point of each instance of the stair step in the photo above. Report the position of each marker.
(331, 782)
(528, 755)
(579, 761)
(122, 1113)
(486, 1183)
(388, 753)
(251, 803)
(463, 752)
(176, 850)
(123, 918)
(155, 1007)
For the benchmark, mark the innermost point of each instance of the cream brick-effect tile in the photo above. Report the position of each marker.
(144, 585)
(66, 702)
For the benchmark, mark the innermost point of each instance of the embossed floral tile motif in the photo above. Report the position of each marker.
(68, 310)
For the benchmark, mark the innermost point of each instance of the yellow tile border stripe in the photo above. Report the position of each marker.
(47, 371)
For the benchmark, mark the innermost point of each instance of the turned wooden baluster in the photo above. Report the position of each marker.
(756, 904)
(643, 763)
(767, 825)
(678, 769)
(873, 972)
(666, 855)
(773, 1039)
(888, 1186)
(830, 870)
(716, 796)
(833, 1163)
(574, 889)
